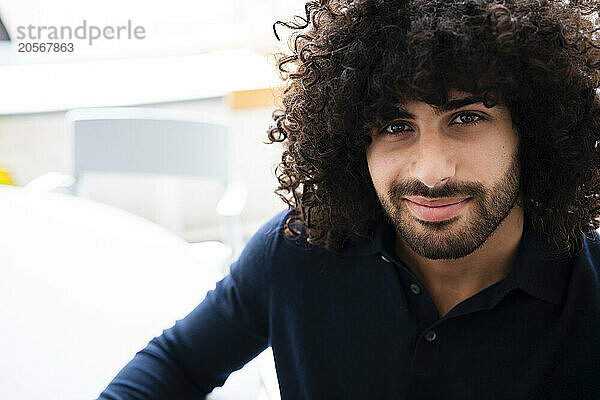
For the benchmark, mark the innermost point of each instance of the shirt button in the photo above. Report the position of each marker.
(415, 288)
(430, 336)
(384, 258)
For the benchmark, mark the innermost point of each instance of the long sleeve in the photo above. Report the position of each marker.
(224, 332)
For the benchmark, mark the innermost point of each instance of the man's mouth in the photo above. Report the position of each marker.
(439, 209)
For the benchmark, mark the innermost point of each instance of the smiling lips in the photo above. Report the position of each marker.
(435, 209)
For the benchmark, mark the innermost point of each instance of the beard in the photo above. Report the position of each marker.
(453, 238)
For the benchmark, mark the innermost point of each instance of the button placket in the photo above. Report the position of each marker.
(416, 289)
(426, 357)
(430, 336)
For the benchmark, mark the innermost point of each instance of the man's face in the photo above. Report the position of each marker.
(446, 177)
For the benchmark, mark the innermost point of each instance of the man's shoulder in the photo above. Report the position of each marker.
(272, 236)
(271, 254)
(285, 231)
(276, 223)
(271, 229)
(586, 263)
(590, 253)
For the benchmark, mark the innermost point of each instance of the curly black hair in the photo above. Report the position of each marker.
(352, 60)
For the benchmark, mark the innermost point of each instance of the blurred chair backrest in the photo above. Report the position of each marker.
(141, 140)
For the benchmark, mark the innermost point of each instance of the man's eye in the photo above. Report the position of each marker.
(396, 128)
(467, 119)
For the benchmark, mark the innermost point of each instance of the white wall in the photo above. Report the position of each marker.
(32, 144)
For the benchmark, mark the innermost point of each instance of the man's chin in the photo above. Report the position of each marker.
(437, 226)
(437, 240)
(440, 249)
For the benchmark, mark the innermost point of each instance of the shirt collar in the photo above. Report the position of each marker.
(534, 271)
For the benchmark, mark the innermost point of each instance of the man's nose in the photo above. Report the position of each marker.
(433, 161)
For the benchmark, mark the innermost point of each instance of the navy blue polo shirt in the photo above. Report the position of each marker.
(359, 325)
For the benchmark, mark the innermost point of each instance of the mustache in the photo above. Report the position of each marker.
(451, 189)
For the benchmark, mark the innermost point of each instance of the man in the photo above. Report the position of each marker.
(442, 170)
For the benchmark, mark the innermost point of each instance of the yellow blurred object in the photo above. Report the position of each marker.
(255, 98)
(5, 178)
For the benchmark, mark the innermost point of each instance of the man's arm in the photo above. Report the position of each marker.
(224, 332)
(188, 360)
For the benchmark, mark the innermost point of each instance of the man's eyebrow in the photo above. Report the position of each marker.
(458, 103)
(447, 106)
(401, 113)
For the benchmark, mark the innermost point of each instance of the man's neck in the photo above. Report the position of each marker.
(449, 282)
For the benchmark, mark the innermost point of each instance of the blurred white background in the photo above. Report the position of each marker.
(193, 56)
(172, 27)
(209, 61)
